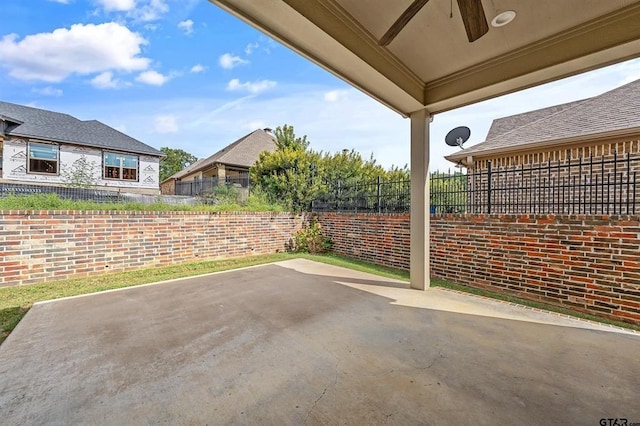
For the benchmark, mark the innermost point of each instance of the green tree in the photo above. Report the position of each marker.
(286, 138)
(348, 167)
(448, 192)
(175, 160)
(290, 175)
(82, 173)
(294, 175)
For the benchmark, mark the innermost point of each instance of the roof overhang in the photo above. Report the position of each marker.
(10, 120)
(633, 133)
(430, 65)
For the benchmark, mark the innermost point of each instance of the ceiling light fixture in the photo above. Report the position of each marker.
(503, 18)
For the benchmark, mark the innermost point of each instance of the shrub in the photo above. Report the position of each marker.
(255, 203)
(311, 239)
(223, 194)
(80, 174)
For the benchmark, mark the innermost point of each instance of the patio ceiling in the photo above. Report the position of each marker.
(431, 64)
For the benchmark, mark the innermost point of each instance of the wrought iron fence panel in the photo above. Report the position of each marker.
(603, 185)
(70, 193)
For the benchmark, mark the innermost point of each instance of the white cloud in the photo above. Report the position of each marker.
(335, 95)
(117, 5)
(81, 49)
(268, 44)
(60, 1)
(229, 61)
(150, 11)
(186, 26)
(250, 48)
(198, 68)
(153, 78)
(253, 87)
(48, 91)
(165, 124)
(630, 71)
(256, 124)
(105, 80)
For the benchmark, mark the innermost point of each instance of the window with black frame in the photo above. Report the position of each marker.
(43, 158)
(120, 166)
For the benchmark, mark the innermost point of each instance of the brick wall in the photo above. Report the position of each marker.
(586, 263)
(563, 154)
(377, 238)
(48, 245)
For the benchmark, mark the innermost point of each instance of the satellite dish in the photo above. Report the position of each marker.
(458, 136)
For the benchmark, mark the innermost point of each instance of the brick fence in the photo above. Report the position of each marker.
(586, 263)
(38, 246)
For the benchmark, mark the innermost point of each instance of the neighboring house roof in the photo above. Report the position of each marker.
(38, 123)
(504, 125)
(242, 153)
(613, 112)
(188, 170)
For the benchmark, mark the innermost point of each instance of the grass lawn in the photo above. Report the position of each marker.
(16, 301)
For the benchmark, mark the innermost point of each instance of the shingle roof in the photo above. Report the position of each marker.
(612, 111)
(188, 170)
(243, 152)
(503, 125)
(58, 127)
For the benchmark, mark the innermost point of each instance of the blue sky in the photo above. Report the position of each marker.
(185, 74)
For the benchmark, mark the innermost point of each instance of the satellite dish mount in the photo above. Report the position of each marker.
(458, 136)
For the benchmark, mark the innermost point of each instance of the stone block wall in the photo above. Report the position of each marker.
(586, 263)
(38, 246)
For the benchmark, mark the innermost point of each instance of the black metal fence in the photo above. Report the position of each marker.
(377, 196)
(93, 195)
(76, 194)
(605, 185)
(199, 187)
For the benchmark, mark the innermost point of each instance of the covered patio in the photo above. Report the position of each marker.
(299, 342)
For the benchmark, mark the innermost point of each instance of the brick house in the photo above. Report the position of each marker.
(592, 145)
(230, 163)
(36, 146)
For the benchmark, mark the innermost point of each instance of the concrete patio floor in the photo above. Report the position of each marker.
(299, 342)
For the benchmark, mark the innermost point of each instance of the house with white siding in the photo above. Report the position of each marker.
(37, 146)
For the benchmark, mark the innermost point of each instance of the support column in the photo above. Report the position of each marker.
(419, 258)
(222, 175)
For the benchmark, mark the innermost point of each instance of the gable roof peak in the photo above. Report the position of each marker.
(242, 152)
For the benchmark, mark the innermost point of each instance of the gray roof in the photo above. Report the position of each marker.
(188, 170)
(613, 111)
(504, 125)
(38, 123)
(243, 152)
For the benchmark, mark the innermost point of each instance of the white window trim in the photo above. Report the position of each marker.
(57, 160)
(104, 166)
